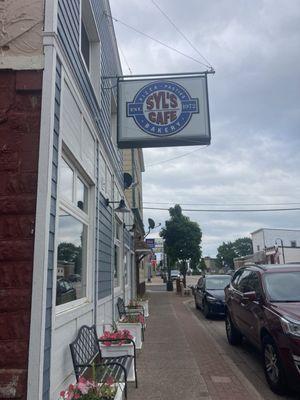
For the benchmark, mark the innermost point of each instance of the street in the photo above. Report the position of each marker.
(241, 363)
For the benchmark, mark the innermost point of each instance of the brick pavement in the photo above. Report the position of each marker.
(181, 360)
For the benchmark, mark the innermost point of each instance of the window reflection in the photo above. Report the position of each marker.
(81, 195)
(117, 264)
(66, 180)
(71, 256)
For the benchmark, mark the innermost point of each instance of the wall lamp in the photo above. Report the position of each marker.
(121, 207)
(132, 227)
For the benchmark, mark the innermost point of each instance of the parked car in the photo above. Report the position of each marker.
(263, 304)
(175, 274)
(64, 291)
(74, 278)
(209, 294)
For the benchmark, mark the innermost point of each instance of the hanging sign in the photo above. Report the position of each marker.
(163, 112)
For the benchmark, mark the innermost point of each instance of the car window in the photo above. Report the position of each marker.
(244, 284)
(255, 283)
(217, 282)
(283, 286)
(236, 278)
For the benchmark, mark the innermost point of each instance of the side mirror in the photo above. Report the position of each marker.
(249, 296)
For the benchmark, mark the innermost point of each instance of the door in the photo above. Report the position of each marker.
(251, 312)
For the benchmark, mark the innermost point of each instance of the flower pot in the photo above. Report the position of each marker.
(117, 350)
(145, 304)
(135, 328)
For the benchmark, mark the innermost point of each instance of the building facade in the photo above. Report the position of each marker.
(273, 246)
(133, 164)
(277, 246)
(66, 253)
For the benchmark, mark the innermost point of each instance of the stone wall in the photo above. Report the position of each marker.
(20, 111)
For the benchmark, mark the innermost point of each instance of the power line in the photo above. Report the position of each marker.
(180, 32)
(157, 41)
(228, 211)
(175, 158)
(125, 59)
(221, 204)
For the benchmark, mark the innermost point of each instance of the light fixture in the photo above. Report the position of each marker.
(121, 207)
(131, 229)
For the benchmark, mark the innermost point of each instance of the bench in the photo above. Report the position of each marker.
(125, 311)
(87, 359)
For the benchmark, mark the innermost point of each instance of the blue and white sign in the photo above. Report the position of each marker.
(163, 112)
(162, 108)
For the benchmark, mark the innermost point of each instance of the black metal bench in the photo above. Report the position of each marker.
(125, 310)
(87, 358)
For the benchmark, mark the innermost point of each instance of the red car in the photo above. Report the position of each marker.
(263, 304)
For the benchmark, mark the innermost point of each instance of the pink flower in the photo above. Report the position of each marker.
(110, 380)
(82, 386)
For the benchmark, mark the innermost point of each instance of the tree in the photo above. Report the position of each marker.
(226, 254)
(230, 250)
(182, 240)
(243, 247)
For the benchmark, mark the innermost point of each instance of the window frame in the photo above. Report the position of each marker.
(85, 218)
(87, 18)
(118, 244)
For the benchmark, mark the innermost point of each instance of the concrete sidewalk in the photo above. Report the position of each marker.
(180, 359)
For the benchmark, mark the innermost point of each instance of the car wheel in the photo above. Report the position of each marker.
(206, 311)
(234, 336)
(273, 367)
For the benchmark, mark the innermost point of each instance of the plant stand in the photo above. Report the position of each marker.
(135, 329)
(117, 350)
(145, 305)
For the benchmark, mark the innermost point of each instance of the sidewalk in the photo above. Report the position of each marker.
(180, 360)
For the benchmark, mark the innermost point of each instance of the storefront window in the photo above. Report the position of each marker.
(72, 235)
(71, 256)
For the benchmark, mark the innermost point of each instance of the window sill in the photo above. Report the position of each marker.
(70, 311)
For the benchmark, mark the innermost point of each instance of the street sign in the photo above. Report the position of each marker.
(150, 243)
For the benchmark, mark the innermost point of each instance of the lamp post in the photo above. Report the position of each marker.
(282, 248)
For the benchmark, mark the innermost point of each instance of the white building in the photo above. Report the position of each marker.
(276, 246)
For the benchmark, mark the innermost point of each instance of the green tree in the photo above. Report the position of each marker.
(230, 250)
(182, 240)
(243, 247)
(226, 254)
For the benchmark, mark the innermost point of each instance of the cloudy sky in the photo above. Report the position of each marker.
(253, 160)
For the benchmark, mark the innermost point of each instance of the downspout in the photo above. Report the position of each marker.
(113, 252)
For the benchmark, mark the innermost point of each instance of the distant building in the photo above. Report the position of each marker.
(273, 246)
(211, 264)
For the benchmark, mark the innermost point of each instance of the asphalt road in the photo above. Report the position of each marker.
(245, 357)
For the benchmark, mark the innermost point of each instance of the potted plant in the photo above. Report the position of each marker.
(89, 390)
(140, 304)
(119, 343)
(144, 302)
(134, 324)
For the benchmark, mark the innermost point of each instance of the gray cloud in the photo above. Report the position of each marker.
(254, 104)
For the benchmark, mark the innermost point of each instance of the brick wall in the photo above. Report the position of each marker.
(20, 110)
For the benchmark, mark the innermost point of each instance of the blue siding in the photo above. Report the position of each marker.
(47, 346)
(104, 250)
(68, 33)
(128, 240)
